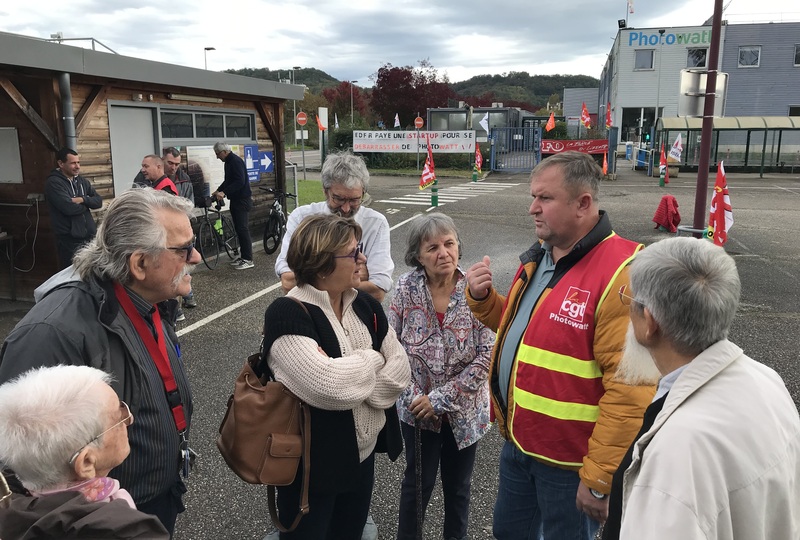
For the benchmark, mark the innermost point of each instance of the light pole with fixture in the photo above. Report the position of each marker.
(658, 84)
(205, 55)
(351, 103)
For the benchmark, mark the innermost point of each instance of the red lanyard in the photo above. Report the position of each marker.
(158, 352)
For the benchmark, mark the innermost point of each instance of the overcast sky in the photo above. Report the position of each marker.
(351, 39)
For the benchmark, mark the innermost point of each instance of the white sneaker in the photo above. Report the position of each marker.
(236, 262)
(244, 265)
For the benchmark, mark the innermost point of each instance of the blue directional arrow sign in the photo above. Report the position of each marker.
(267, 164)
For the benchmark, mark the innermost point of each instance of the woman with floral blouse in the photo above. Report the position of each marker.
(449, 354)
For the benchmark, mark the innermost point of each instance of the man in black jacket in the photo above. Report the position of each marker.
(236, 187)
(70, 197)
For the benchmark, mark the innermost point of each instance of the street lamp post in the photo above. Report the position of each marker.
(351, 103)
(658, 84)
(205, 55)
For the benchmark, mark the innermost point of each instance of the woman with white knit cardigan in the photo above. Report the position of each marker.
(336, 352)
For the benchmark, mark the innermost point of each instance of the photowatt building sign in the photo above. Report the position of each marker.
(406, 142)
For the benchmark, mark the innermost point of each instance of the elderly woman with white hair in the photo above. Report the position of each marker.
(718, 455)
(62, 429)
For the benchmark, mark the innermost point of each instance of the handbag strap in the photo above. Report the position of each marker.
(273, 509)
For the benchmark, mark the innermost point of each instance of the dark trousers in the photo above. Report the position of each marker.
(66, 246)
(166, 506)
(240, 209)
(331, 516)
(456, 467)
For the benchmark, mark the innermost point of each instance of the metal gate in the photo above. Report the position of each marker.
(516, 149)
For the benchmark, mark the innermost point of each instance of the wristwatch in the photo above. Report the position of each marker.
(596, 494)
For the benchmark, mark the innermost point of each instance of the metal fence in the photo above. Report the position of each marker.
(515, 148)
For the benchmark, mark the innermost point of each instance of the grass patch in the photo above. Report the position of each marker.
(310, 191)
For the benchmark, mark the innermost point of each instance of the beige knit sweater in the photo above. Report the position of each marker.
(361, 379)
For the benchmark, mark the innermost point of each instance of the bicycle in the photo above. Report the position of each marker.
(275, 227)
(215, 233)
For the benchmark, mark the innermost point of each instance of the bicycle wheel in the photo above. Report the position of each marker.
(272, 234)
(207, 245)
(229, 238)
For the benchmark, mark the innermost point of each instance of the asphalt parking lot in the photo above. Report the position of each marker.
(492, 219)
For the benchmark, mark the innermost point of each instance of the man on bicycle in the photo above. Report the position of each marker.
(345, 180)
(236, 187)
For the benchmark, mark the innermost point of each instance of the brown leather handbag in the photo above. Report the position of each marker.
(264, 434)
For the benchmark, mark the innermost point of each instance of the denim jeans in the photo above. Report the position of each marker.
(240, 208)
(535, 500)
(457, 466)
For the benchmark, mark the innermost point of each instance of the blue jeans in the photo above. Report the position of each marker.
(536, 501)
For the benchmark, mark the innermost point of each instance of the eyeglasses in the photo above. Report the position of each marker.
(127, 420)
(341, 201)
(627, 299)
(353, 255)
(188, 248)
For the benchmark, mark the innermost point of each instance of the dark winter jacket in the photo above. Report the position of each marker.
(236, 185)
(68, 218)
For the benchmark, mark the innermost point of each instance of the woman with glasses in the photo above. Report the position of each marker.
(447, 403)
(62, 429)
(331, 345)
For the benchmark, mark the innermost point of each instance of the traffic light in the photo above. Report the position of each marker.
(647, 136)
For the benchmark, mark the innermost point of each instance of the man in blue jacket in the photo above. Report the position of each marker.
(70, 197)
(236, 187)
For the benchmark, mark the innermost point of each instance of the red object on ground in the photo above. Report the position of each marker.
(667, 214)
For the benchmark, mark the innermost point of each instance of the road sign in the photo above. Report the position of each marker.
(419, 122)
(302, 118)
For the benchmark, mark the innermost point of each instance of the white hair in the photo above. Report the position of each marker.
(692, 289)
(46, 414)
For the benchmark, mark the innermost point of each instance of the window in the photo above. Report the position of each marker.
(237, 126)
(749, 56)
(794, 111)
(177, 125)
(209, 125)
(696, 58)
(797, 55)
(643, 59)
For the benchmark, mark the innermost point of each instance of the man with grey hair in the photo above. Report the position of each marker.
(345, 181)
(236, 187)
(718, 454)
(114, 310)
(560, 334)
(65, 463)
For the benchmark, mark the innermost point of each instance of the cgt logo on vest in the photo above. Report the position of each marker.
(573, 308)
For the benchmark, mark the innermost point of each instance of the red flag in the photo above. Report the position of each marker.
(605, 163)
(586, 120)
(608, 116)
(428, 173)
(551, 123)
(320, 124)
(663, 170)
(478, 158)
(720, 219)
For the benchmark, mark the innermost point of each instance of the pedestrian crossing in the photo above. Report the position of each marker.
(449, 194)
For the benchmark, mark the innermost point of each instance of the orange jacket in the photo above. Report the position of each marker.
(622, 406)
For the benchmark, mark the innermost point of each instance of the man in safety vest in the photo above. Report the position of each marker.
(560, 334)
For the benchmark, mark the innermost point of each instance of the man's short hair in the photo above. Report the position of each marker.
(221, 147)
(345, 169)
(692, 289)
(130, 224)
(424, 228)
(581, 172)
(172, 151)
(313, 246)
(62, 154)
(46, 414)
(155, 159)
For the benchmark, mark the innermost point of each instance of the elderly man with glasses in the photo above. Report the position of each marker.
(70, 493)
(114, 310)
(718, 454)
(345, 181)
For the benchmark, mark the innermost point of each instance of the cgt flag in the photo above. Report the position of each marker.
(677, 149)
(608, 116)
(605, 163)
(663, 170)
(720, 219)
(321, 126)
(551, 122)
(396, 120)
(478, 158)
(586, 120)
(428, 173)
